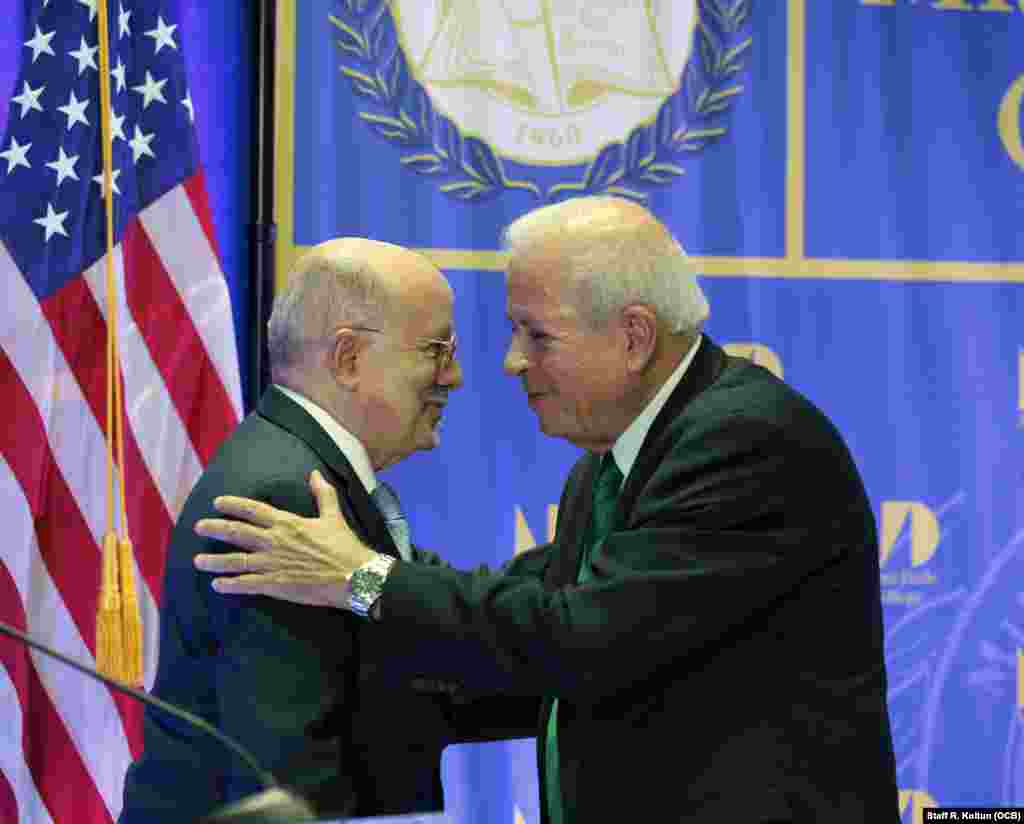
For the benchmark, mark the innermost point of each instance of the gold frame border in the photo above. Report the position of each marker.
(796, 121)
(284, 141)
(793, 265)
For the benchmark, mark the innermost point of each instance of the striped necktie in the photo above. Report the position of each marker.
(387, 502)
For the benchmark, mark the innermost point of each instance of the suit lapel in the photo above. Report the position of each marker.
(359, 509)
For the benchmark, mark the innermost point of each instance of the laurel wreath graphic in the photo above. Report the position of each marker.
(467, 168)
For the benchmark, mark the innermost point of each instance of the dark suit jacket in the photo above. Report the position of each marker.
(287, 681)
(726, 664)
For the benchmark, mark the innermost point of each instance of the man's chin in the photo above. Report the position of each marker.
(432, 438)
(431, 423)
(559, 429)
(550, 428)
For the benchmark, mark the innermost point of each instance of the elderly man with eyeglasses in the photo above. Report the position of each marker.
(362, 354)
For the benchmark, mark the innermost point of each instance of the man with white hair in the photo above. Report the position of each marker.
(702, 639)
(362, 352)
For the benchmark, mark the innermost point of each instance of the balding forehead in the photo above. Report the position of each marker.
(389, 265)
(356, 247)
(362, 249)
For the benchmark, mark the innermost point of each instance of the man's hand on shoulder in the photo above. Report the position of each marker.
(303, 560)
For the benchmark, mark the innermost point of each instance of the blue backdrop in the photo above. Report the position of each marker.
(850, 179)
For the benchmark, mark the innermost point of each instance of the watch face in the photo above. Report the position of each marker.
(367, 582)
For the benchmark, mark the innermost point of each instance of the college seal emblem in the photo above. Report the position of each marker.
(554, 97)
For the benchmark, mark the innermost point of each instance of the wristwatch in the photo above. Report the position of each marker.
(366, 584)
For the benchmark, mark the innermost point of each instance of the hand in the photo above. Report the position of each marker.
(303, 560)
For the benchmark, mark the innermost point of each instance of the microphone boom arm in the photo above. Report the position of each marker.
(268, 780)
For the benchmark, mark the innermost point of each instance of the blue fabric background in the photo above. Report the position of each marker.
(901, 316)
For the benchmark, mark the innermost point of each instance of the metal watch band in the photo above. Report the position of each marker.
(367, 582)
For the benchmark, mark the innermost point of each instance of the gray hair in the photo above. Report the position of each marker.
(613, 269)
(324, 291)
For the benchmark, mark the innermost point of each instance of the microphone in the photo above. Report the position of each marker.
(275, 805)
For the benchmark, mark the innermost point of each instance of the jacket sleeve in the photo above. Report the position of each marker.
(479, 705)
(720, 531)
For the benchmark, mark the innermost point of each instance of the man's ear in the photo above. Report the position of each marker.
(345, 357)
(640, 327)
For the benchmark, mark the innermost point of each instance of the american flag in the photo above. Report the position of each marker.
(66, 742)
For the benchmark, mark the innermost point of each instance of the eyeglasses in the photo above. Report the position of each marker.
(442, 350)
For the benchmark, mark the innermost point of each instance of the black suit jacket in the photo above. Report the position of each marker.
(727, 663)
(294, 684)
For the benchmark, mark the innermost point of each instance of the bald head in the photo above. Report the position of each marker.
(346, 281)
(613, 252)
(395, 271)
(365, 331)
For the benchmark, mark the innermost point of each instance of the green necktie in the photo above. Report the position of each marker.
(606, 492)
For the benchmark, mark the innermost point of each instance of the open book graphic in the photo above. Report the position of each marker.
(548, 56)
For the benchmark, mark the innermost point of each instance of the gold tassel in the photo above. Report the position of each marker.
(131, 615)
(118, 619)
(109, 623)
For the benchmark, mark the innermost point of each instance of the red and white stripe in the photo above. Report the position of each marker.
(66, 742)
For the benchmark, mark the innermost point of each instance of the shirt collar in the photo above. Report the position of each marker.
(627, 445)
(348, 443)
